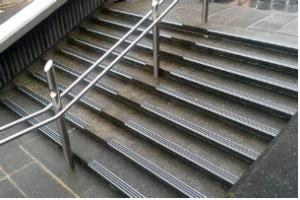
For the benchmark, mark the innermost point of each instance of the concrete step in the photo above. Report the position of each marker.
(221, 135)
(250, 120)
(156, 171)
(205, 59)
(87, 150)
(204, 42)
(211, 85)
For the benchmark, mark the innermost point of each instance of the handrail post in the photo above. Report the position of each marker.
(61, 122)
(205, 11)
(155, 6)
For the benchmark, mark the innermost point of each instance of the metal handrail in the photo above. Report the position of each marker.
(87, 88)
(48, 107)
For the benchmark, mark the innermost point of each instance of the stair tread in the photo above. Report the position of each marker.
(113, 179)
(213, 43)
(185, 154)
(161, 174)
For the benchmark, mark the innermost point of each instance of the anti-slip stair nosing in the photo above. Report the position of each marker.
(248, 56)
(128, 26)
(88, 79)
(155, 170)
(252, 76)
(114, 180)
(91, 61)
(22, 113)
(241, 95)
(141, 16)
(269, 131)
(88, 44)
(69, 116)
(183, 153)
(89, 102)
(223, 142)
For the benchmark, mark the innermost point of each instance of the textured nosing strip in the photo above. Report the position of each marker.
(247, 97)
(69, 116)
(91, 61)
(129, 27)
(86, 43)
(287, 65)
(86, 101)
(224, 142)
(22, 113)
(156, 171)
(242, 73)
(114, 180)
(269, 131)
(88, 79)
(183, 153)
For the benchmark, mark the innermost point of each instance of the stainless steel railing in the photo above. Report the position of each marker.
(59, 111)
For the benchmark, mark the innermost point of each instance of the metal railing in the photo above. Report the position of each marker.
(59, 111)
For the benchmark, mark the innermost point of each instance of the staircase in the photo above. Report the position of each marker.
(193, 132)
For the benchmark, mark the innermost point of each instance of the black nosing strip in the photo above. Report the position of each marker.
(235, 93)
(140, 16)
(88, 79)
(156, 171)
(183, 153)
(101, 33)
(92, 61)
(249, 75)
(83, 42)
(223, 142)
(124, 187)
(286, 65)
(129, 27)
(264, 129)
(69, 116)
(86, 101)
(22, 113)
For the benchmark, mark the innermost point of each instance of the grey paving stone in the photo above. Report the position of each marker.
(12, 157)
(40, 184)
(7, 190)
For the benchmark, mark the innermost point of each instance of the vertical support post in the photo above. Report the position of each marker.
(205, 11)
(155, 6)
(61, 122)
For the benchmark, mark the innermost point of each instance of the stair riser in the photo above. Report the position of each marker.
(218, 52)
(211, 33)
(185, 61)
(210, 90)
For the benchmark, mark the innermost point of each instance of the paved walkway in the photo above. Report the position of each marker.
(270, 25)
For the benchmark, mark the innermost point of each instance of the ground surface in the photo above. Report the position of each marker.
(276, 23)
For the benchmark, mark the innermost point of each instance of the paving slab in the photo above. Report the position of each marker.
(8, 190)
